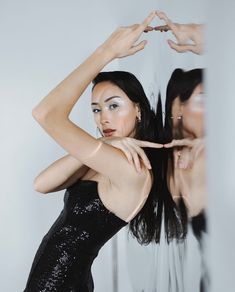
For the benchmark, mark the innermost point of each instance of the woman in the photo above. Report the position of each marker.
(105, 192)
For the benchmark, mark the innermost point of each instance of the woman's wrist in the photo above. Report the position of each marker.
(104, 53)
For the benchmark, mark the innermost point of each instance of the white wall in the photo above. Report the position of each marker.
(41, 42)
(221, 143)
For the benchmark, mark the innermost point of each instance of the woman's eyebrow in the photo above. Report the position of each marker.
(109, 98)
(106, 100)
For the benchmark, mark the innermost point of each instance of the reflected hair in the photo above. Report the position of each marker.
(143, 226)
(181, 84)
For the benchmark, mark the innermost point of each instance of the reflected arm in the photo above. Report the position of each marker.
(183, 34)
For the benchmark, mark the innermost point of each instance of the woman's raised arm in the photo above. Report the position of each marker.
(53, 111)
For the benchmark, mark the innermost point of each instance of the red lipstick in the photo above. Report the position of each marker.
(108, 132)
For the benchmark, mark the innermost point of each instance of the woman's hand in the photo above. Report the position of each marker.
(122, 41)
(183, 33)
(132, 149)
(191, 149)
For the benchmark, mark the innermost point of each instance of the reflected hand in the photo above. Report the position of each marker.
(122, 41)
(183, 33)
(191, 150)
(132, 149)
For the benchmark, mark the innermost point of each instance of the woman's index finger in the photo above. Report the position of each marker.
(148, 20)
(167, 20)
(150, 144)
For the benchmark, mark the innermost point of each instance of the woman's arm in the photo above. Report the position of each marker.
(67, 170)
(132, 148)
(60, 175)
(53, 111)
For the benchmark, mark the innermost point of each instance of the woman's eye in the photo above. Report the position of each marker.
(113, 106)
(95, 110)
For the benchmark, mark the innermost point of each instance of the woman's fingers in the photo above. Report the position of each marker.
(136, 160)
(142, 143)
(132, 150)
(142, 155)
(127, 154)
(182, 158)
(137, 47)
(148, 144)
(170, 145)
(147, 20)
(181, 48)
(163, 16)
(144, 26)
(134, 147)
(131, 156)
(136, 153)
(177, 156)
(167, 20)
(124, 41)
(148, 28)
(162, 28)
(183, 33)
(182, 142)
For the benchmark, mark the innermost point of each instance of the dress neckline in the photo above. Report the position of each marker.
(103, 205)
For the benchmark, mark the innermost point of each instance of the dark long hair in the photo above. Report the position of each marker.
(181, 84)
(144, 225)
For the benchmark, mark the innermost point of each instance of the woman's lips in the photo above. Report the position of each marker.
(108, 132)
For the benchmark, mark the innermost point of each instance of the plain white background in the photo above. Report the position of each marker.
(221, 143)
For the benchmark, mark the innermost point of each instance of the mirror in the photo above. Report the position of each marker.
(174, 266)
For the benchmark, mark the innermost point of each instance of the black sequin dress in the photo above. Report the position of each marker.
(66, 253)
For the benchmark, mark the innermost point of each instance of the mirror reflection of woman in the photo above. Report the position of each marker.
(185, 176)
(179, 265)
(177, 262)
(184, 122)
(104, 191)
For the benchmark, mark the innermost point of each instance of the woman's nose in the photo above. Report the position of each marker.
(104, 118)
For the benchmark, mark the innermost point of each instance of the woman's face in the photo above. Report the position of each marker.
(114, 113)
(192, 112)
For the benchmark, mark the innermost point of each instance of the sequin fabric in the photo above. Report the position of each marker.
(64, 258)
